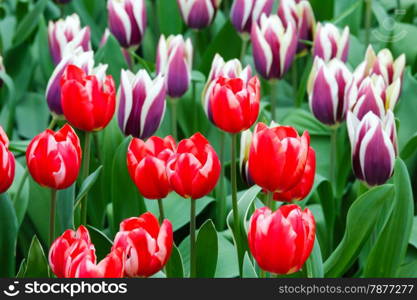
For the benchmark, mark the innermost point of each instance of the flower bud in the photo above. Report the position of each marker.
(141, 103)
(374, 146)
(67, 33)
(246, 12)
(127, 21)
(198, 14)
(274, 46)
(174, 60)
(327, 85)
(7, 163)
(329, 43)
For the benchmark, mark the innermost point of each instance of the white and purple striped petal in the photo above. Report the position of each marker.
(198, 14)
(330, 43)
(246, 12)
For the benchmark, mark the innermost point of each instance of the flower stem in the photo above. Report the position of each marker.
(85, 169)
(333, 157)
(236, 225)
(244, 48)
(174, 118)
(270, 200)
(368, 21)
(52, 216)
(192, 240)
(273, 97)
(161, 211)
(221, 204)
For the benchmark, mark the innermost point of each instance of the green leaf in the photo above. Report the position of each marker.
(36, 265)
(413, 236)
(8, 237)
(390, 248)
(29, 23)
(101, 242)
(174, 267)
(88, 183)
(248, 271)
(410, 147)
(65, 209)
(323, 9)
(303, 120)
(361, 219)
(169, 18)
(301, 91)
(227, 265)
(314, 263)
(206, 250)
(21, 204)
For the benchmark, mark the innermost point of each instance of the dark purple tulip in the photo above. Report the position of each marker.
(329, 43)
(246, 12)
(141, 104)
(198, 14)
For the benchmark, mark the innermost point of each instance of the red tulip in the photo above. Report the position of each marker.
(54, 158)
(303, 188)
(146, 162)
(234, 103)
(281, 241)
(88, 100)
(147, 245)
(7, 163)
(112, 266)
(278, 157)
(194, 170)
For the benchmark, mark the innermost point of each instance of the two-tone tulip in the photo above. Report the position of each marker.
(146, 244)
(174, 60)
(7, 163)
(281, 241)
(198, 14)
(195, 168)
(327, 87)
(330, 43)
(278, 157)
(374, 146)
(244, 13)
(88, 100)
(54, 158)
(301, 14)
(112, 266)
(67, 33)
(127, 21)
(141, 102)
(146, 162)
(274, 46)
(79, 58)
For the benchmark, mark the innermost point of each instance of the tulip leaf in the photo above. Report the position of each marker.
(206, 250)
(21, 204)
(248, 271)
(314, 263)
(22, 269)
(65, 209)
(389, 250)
(169, 18)
(175, 267)
(36, 264)
(227, 265)
(301, 91)
(361, 219)
(303, 120)
(88, 183)
(413, 236)
(45, 61)
(410, 147)
(8, 237)
(101, 242)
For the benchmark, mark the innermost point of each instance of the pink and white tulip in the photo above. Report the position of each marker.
(330, 43)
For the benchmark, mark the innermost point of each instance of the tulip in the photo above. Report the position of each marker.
(147, 246)
(301, 14)
(127, 21)
(88, 100)
(281, 241)
(374, 146)
(274, 46)
(146, 162)
(174, 60)
(83, 60)
(198, 14)
(278, 157)
(7, 163)
(112, 266)
(141, 103)
(53, 158)
(245, 142)
(67, 33)
(329, 43)
(327, 86)
(244, 13)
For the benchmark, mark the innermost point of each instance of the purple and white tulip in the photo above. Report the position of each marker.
(141, 103)
(81, 59)
(127, 21)
(67, 33)
(330, 43)
(230, 69)
(327, 86)
(374, 146)
(246, 12)
(274, 46)
(301, 14)
(245, 143)
(174, 60)
(198, 14)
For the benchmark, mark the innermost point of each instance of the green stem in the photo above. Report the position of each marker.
(85, 170)
(273, 98)
(195, 108)
(244, 48)
(52, 216)
(161, 211)
(192, 240)
(174, 118)
(53, 122)
(368, 21)
(294, 75)
(97, 146)
(221, 204)
(333, 157)
(236, 224)
(270, 200)
(262, 273)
